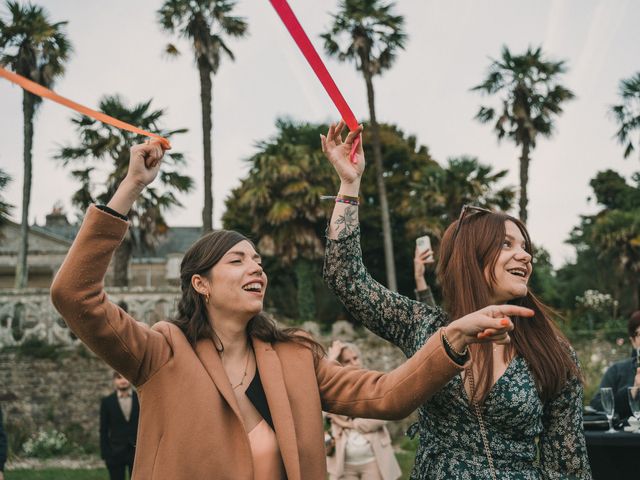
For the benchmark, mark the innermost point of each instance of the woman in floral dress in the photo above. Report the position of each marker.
(516, 414)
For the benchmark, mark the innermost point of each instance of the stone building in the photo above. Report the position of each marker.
(28, 314)
(49, 243)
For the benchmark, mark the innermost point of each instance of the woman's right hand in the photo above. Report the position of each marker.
(144, 163)
(338, 153)
(490, 324)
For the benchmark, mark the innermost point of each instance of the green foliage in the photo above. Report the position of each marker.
(47, 444)
(34, 348)
(530, 97)
(608, 244)
(205, 23)
(627, 113)
(5, 207)
(32, 46)
(366, 32)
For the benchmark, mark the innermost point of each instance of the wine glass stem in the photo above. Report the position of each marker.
(610, 420)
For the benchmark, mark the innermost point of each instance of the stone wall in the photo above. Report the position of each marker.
(64, 392)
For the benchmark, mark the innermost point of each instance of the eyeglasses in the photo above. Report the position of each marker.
(466, 211)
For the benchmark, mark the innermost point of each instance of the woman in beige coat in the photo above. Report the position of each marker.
(221, 371)
(363, 448)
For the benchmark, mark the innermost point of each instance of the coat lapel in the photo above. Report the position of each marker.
(210, 359)
(276, 392)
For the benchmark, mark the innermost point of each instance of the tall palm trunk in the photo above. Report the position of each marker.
(382, 190)
(28, 110)
(206, 93)
(524, 180)
(121, 263)
(306, 294)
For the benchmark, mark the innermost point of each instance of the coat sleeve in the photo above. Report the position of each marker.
(130, 347)
(105, 449)
(389, 396)
(394, 317)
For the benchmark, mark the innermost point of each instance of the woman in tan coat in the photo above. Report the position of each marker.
(363, 448)
(223, 393)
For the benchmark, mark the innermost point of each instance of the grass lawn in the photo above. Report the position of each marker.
(57, 474)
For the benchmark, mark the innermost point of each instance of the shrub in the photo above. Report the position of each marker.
(47, 444)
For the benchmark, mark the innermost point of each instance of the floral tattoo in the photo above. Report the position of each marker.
(348, 221)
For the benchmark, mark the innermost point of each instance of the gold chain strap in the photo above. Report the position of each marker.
(483, 430)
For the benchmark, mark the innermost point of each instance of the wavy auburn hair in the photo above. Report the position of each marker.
(464, 258)
(192, 317)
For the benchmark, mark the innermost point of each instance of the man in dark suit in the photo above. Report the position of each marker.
(119, 427)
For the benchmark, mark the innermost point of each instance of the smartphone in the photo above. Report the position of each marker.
(423, 243)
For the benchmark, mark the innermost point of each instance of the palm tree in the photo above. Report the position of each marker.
(281, 194)
(204, 23)
(369, 34)
(627, 114)
(438, 195)
(37, 49)
(530, 96)
(99, 141)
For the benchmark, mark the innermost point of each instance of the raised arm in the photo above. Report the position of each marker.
(563, 450)
(77, 292)
(386, 313)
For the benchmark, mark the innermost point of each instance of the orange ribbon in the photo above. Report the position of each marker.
(43, 92)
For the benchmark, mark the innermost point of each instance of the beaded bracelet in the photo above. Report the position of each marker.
(340, 199)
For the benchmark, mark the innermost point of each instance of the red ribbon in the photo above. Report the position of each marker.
(306, 47)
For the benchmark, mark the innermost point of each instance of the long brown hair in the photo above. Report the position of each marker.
(192, 316)
(464, 257)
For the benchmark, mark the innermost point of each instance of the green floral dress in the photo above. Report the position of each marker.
(528, 439)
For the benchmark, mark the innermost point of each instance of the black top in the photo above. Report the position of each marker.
(256, 395)
(618, 376)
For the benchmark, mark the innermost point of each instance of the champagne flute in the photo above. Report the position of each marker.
(608, 405)
(634, 404)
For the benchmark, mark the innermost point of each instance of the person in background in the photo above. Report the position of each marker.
(623, 374)
(421, 259)
(119, 427)
(363, 447)
(3, 447)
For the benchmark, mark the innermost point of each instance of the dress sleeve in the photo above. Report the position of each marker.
(389, 315)
(563, 450)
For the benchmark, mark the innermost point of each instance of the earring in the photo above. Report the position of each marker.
(206, 298)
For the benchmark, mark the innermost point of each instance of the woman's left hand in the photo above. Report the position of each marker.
(338, 153)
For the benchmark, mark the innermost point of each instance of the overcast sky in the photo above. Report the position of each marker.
(118, 49)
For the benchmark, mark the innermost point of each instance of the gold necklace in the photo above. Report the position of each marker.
(246, 367)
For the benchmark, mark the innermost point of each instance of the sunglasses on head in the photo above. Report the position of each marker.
(465, 212)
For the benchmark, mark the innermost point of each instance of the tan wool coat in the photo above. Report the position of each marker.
(190, 424)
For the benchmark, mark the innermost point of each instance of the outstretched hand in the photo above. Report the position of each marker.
(338, 152)
(490, 324)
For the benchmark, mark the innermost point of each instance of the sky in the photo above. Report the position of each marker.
(118, 49)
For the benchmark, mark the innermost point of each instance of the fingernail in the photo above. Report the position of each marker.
(504, 322)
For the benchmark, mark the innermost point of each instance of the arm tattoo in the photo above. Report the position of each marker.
(349, 222)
